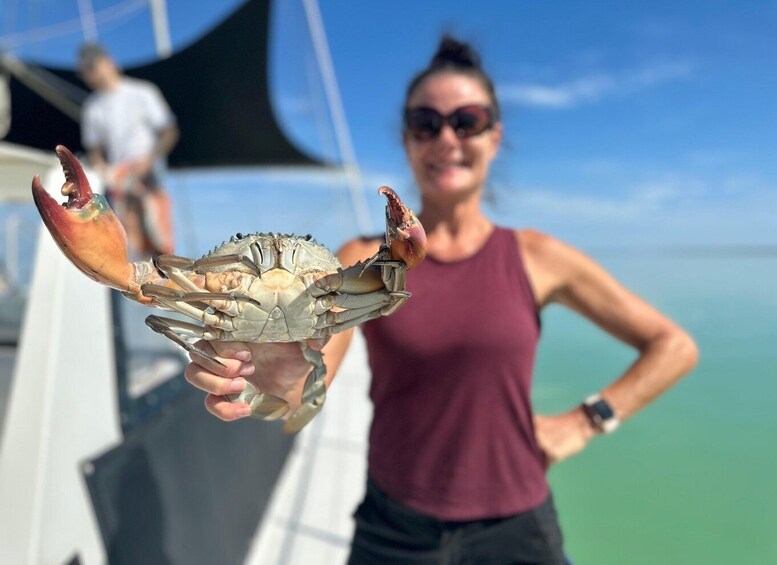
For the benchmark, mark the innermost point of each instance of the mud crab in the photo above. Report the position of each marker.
(261, 287)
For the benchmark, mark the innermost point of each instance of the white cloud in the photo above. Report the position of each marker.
(560, 96)
(592, 88)
(649, 197)
(674, 209)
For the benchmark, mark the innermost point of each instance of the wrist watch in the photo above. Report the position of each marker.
(600, 414)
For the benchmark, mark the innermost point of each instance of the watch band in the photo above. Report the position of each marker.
(600, 414)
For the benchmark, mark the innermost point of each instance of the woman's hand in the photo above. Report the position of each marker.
(563, 435)
(279, 369)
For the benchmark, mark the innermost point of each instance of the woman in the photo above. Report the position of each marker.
(457, 459)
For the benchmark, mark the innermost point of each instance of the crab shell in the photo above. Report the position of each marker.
(281, 308)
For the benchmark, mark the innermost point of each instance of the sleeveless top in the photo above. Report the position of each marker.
(452, 434)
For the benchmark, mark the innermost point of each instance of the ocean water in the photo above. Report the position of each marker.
(692, 478)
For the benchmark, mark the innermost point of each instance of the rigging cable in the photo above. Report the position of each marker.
(63, 95)
(113, 14)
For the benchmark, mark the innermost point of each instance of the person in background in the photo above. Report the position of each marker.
(457, 456)
(128, 131)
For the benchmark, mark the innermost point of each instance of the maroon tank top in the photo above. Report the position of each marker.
(452, 434)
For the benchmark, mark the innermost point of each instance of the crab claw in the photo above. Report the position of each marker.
(85, 228)
(405, 236)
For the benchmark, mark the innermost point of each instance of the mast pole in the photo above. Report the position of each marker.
(88, 23)
(161, 28)
(342, 134)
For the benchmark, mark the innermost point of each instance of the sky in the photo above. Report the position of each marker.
(626, 123)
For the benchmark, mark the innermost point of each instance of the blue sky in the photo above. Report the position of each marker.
(627, 123)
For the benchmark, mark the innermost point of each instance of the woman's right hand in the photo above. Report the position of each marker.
(279, 369)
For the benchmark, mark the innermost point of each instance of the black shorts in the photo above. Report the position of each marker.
(390, 533)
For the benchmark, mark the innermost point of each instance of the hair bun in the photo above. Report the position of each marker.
(457, 57)
(453, 53)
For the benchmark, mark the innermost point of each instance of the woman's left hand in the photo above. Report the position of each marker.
(563, 435)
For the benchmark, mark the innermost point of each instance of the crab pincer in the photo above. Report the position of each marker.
(405, 236)
(85, 227)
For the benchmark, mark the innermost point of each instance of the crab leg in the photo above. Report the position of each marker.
(335, 318)
(351, 301)
(173, 329)
(164, 292)
(313, 393)
(201, 313)
(344, 323)
(172, 265)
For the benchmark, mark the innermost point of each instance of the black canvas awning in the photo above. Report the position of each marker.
(217, 87)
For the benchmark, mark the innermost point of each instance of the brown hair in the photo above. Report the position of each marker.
(453, 56)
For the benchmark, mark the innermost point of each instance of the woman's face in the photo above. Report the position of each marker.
(447, 164)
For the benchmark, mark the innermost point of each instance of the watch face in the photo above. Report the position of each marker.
(603, 409)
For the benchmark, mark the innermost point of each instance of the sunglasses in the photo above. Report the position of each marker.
(426, 123)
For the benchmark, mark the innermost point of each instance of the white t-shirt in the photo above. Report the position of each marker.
(125, 121)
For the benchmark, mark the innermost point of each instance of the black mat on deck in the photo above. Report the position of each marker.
(185, 487)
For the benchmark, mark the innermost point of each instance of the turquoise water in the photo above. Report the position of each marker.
(692, 478)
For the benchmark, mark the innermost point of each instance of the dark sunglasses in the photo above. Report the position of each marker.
(426, 123)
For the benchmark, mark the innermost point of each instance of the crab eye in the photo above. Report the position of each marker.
(238, 235)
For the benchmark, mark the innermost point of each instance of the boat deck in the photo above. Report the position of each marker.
(308, 519)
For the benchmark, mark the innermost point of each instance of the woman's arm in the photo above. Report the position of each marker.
(563, 275)
(274, 368)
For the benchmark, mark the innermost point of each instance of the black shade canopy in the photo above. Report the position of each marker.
(217, 87)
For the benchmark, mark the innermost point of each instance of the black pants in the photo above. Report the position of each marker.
(389, 533)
